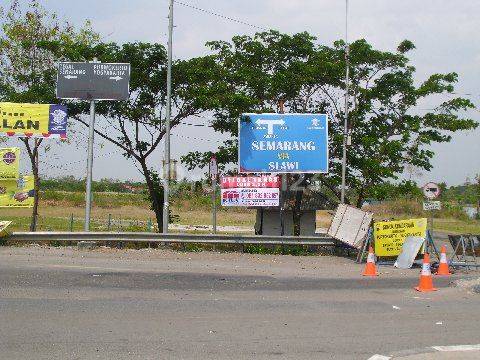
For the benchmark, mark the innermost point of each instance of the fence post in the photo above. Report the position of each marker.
(71, 222)
(109, 222)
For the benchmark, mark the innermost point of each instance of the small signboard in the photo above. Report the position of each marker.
(283, 143)
(250, 191)
(93, 81)
(389, 236)
(431, 205)
(431, 190)
(213, 168)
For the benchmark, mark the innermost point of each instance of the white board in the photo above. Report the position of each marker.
(411, 247)
(350, 225)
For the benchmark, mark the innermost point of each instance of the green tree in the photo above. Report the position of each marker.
(137, 126)
(28, 66)
(388, 131)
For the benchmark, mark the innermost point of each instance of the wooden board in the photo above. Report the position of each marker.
(350, 225)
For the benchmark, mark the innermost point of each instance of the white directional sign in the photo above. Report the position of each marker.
(93, 81)
(431, 205)
(431, 190)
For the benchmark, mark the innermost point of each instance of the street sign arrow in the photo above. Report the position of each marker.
(93, 81)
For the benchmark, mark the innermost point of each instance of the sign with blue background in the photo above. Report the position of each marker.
(283, 143)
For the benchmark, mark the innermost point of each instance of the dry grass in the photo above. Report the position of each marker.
(55, 213)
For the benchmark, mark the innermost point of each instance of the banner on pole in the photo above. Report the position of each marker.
(9, 163)
(250, 191)
(283, 143)
(17, 193)
(389, 236)
(33, 120)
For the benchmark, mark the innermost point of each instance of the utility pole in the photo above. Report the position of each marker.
(345, 125)
(88, 193)
(166, 186)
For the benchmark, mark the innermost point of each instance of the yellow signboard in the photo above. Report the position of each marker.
(17, 193)
(9, 163)
(390, 235)
(3, 227)
(37, 120)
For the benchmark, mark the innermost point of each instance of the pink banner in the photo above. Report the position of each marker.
(249, 182)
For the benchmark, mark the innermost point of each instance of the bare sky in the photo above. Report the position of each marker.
(444, 32)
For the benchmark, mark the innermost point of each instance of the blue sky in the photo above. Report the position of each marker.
(444, 32)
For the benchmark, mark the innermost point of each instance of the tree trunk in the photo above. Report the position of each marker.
(361, 197)
(297, 213)
(297, 207)
(155, 194)
(33, 155)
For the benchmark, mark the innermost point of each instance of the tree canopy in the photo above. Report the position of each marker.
(28, 65)
(387, 129)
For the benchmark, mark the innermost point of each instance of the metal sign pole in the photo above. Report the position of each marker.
(214, 201)
(88, 193)
(166, 187)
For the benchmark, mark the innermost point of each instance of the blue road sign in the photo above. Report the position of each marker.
(283, 143)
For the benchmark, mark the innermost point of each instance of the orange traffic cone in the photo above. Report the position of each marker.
(443, 267)
(426, 282)
(370, 269)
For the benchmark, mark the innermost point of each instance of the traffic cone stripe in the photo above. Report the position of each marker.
(443, 266)
(426, 269)
(370, 269)
(426, 282)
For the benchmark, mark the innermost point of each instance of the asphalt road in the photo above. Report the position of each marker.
(111, 304)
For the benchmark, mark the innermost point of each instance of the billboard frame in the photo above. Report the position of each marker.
(283, 172)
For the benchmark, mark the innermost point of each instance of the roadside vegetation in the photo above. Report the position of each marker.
(265, 72)
(125, 206)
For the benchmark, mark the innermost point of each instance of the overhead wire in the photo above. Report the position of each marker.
(213, 13)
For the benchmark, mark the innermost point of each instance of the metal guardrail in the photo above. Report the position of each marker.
(170, 238)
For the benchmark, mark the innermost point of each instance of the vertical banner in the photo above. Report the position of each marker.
(33, 120)
(9, 163)
(17, 193)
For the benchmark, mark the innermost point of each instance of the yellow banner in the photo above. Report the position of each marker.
(3, 227)
(390, 235)
(9, 163)
(37, 120)
(17, 193)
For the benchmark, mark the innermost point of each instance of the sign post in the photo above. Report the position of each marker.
(213, 175)
(92, 81)
(431, 191)
(88, 189)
